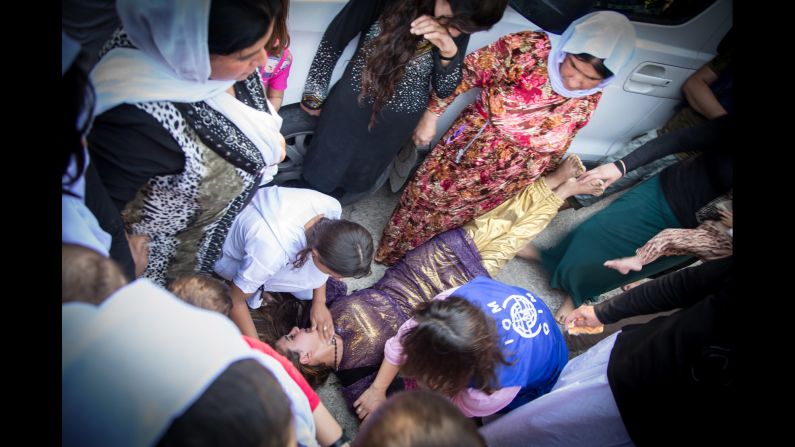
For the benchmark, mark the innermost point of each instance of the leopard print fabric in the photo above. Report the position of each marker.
(188, 215)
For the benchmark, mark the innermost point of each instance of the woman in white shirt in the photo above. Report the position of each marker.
(291, 240)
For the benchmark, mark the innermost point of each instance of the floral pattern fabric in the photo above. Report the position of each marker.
(517, 130)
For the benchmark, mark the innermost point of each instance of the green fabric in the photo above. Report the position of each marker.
(575, 265)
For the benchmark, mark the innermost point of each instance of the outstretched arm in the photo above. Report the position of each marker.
(375, 395)
(320, 316)
(240, 314)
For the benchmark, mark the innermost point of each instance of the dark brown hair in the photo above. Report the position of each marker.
(87, 275)
(343, 246)
(315, 375)
(418, 418)
(595, 62)
(203, 291)
(455, 345)
(280, 38)
(395, 46)
(235, 25)
(244, 406)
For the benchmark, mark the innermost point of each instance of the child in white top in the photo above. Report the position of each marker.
(291, 240)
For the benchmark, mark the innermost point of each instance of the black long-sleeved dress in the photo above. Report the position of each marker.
(344, 153)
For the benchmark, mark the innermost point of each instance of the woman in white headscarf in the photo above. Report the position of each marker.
(184, 134)
(537, 93)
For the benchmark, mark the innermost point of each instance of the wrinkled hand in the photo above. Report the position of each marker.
(425, 130)
(313, 112)
(321, 321)
(369, 401)
(607, 172)
(726, 217)
(582, 316)
(430, 28)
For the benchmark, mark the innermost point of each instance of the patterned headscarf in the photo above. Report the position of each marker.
(607, 35)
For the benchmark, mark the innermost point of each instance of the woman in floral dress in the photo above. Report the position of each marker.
(519, 127)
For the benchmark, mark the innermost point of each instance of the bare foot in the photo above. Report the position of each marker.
(624, 265)
(564, 310)
(529, 252)
(570, 167)
(571, 187)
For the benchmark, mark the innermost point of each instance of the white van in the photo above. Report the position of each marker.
(675, 38)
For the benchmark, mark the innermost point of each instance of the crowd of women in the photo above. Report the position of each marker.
(170, 150)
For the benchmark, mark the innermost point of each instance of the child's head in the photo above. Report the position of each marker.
(339, 247)
(244, 405)
(455, 345)
(203, 291)
(418, 418)
(280, 38)
(87, 275)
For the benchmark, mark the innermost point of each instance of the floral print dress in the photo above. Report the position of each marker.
(517, 130)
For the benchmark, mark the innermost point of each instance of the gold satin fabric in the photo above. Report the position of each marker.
(503, 231)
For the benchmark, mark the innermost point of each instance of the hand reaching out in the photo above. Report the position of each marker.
(607, 172)
(312, 112)
(371, 399)
(582, 316)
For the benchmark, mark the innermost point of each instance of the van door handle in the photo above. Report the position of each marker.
(651, 80)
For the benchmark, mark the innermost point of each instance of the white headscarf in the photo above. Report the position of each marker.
(607, 35)
(133, 364)
(172, 63)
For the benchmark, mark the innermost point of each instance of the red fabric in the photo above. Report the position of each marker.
(264, 348)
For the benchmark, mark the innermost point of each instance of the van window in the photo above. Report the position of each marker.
(662, 12)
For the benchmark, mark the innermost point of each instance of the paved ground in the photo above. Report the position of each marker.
(373, 213)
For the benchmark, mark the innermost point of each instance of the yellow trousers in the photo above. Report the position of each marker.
(503, 231)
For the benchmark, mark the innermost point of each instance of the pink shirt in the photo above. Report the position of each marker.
(471, 402)
(276, 70)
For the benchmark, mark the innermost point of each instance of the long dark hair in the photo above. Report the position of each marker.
(455, 345)
(315, 375)
(238, 24)
(393, 48)
(343, 246)
(280, 38)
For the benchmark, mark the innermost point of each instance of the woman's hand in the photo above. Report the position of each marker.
(582, 316)
(312, 112)
(425, 130)
(369, 401)
(607, 172)
(430, 28)
(321, 320)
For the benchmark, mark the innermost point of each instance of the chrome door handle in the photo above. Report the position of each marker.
(651, 80)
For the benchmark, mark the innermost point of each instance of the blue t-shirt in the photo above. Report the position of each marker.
(530, 337)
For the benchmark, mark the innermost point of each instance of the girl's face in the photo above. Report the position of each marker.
(239, 65)
(302, 341)
(577, 74)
